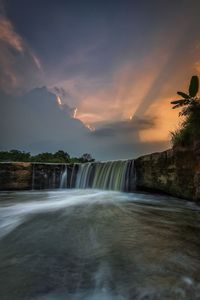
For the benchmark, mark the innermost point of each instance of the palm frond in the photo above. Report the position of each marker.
(194, 86)
(186, 96)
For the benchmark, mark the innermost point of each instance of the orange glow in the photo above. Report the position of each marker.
(167, 121)
(119, 100)
(143, 88)
(8, 35)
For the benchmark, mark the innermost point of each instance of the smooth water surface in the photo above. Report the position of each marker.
(98, 245)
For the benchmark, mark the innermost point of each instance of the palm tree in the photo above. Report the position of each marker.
(190, 100)
(189, 131)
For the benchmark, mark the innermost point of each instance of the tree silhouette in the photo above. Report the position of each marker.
(190, 99)
(189, 132)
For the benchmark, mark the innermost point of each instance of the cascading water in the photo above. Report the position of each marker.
(33, 177)
(63, 180)
(85, 175)
(130, 177)
(114, 175)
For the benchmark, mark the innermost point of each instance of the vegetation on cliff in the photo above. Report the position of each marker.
(46, 157)
(189, 132)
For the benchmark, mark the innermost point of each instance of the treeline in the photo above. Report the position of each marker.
(45, 157)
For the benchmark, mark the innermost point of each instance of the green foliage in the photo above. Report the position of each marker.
(181, 137)
(179, 103)
(45, 157)
(190, 104)
(62, 155)
(15, 155)
(185, 96)
(194, 86)
(190, 98)
(86, 157)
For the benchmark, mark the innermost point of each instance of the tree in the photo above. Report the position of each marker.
(62, 156)
(86, 157)
(17, 155)
(46, 157)
(188, 100)
(189, 131)
(43, 157)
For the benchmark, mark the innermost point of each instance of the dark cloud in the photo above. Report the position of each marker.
(35, 122)
(125, 127)
(103, 132)
(60, 91)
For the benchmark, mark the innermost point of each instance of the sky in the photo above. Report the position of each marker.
(94, 76)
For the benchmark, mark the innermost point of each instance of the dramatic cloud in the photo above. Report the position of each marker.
(124, 127)
(36, 122)
(20, 68)
(8, 35)
(110, 65)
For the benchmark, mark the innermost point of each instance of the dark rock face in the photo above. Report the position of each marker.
(176, 172)
(27, 176)
(15, 176)
(49, 176)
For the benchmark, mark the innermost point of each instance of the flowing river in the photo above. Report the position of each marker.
(98, 245)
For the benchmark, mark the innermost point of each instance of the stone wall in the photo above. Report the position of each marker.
(15, 176)
(176, 172)
(48, 176)
(27, 176)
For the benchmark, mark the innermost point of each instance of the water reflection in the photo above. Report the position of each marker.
(94, 245)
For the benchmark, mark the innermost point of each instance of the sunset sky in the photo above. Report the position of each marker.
(94, 76)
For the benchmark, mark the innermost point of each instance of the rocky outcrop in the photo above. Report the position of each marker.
(176, 172)
(15, 176)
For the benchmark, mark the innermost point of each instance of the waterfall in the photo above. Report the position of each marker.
(130, 176)
(111, 175)
(33, 177)
(63, 180)
(114, 175)
(84, 175)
